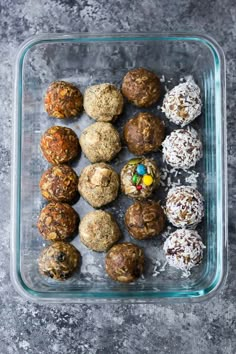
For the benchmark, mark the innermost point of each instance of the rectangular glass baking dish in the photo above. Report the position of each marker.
(86, 59)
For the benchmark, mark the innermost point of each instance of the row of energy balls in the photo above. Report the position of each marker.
(99, 183)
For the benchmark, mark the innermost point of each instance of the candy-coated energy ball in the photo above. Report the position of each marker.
(141, 169)
(147, 180)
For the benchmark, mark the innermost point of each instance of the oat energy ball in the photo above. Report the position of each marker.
(139, 178)
(59, 260)
(98, 184)
(144, 133)
(100, 142)
(103, 102)
(98, 231)
(57, 222)
(182, 148)
(183, 104)
(63, 100)
(184, 249)
(141, 87)
(59, 145)
(125, 262)
(145, 219)
(184, 206)
(59, 184)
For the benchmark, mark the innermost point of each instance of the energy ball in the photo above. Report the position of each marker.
(99, 231)
(59, 145)
(125, 262)
(183, 104)
(145, 219)
(182, 148)
(103, 102)
(98, 184)
(184, 206)
(141, 87)
(59, 260)
(144, 133)
(100, 142)
(63, 100)
(57, 222)
(184, 249)
(59, 184)
(139, 178)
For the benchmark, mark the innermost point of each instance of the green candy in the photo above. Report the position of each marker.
(134, 179)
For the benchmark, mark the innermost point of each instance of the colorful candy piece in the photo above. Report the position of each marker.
(134, 179)
(147, 180)
(141, 169)
(139, 187)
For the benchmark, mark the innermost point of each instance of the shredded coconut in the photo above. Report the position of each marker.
(184, 250)
(162, 79)
(182, 104)
(184, 206)
(182, 148)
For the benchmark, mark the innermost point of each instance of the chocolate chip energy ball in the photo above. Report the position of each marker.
(98, 184)
(103, 102)
(59, 184)
(59, 260)
(184, 206)
(144, 133)
(184, 249)
(145, 219)
(98, 231)
(141, 87)
(100, 142)
(183, 104)
(182, 148)
(63, 100)
(57, 222)
(59, 145)
(139, 178)
(125, 262)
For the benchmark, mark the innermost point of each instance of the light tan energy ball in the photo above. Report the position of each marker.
(100, 142)
(103, 102)
(99, 231)
(98, 184)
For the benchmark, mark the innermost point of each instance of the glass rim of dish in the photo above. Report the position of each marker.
(221, 174)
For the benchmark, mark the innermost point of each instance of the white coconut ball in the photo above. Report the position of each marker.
(182, 148)
(183, 104)
(184, 206)
(184, 249)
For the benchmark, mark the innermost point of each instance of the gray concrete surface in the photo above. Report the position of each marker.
(205, 328)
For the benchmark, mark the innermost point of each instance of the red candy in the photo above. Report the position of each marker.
(139, 187)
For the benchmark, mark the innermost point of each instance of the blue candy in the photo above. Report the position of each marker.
(141, 170)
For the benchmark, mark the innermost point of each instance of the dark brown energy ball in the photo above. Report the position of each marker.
(63, 100)
(59, 260)
(141, 87)
(59, 184)
(98, 230)
(145, 219)
(125, 262)
(57, 221)
(144, 133)
(59, 145)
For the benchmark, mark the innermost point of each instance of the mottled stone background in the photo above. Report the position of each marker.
(207, 328)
